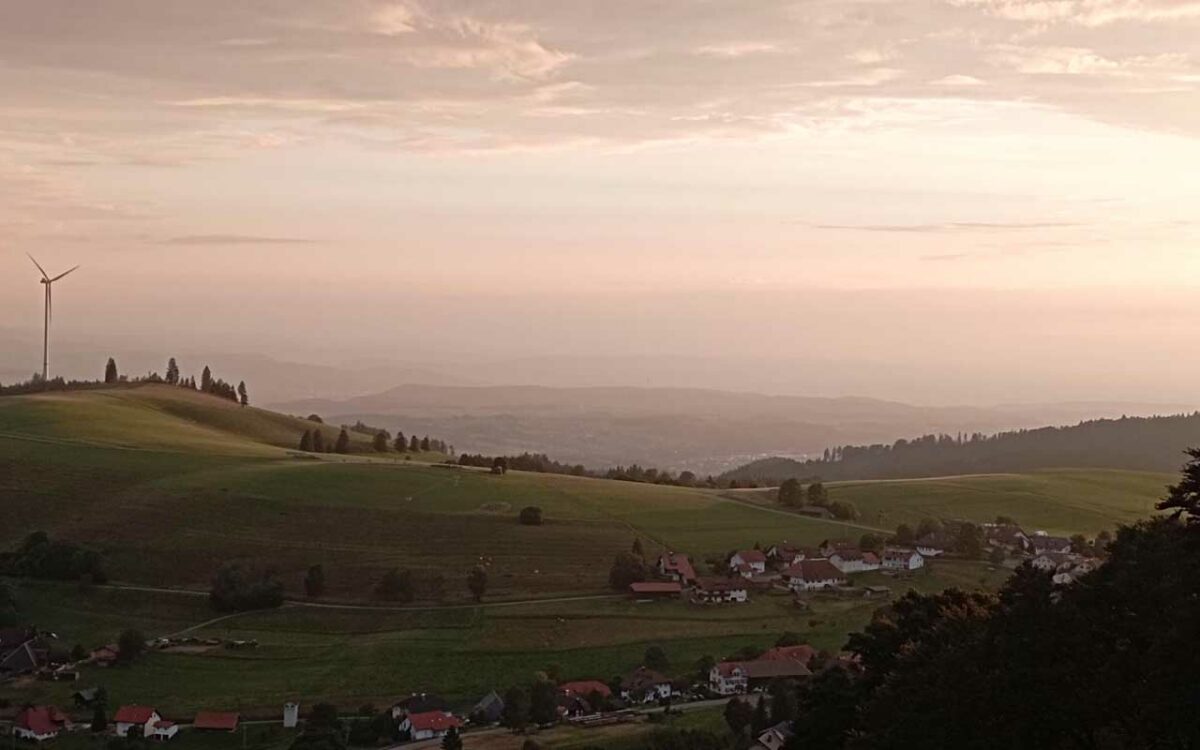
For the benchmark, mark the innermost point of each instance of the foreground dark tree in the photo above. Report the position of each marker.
(243, 394)
(343, 442)
(530, 516)
(110, 371)
(1184, 497)
(172, 372)
(627, 568)
(130, 645)
(790, 493)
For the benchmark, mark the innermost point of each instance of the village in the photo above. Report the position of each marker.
(832, 569)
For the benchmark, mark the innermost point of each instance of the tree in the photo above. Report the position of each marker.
(1080, 545)
(870, 542)
(206, 380)
(904, 536)
(543, 702)
(790, 638)
(396, 585)
(626, 569)
(236, 589)
(843, 510)
(477, 581)
(499, 464)
(817, 495)
(790, 493)
(738, 715)
(110, 372)
(243, 395)
(99, 717)
(130, 645)
(318, 440)
(401, 445)
(704, 666)
(784, 706)
(637, 548)
(380, 442)
(452, 741)
(760, 719)
(656, 658)
(531, 515)
(516, 708)
(1183, 498)
(968, 542)
(414, 445)
(306, 441)
(425, 444)
(314, 581)
(343, 442)
(172, 372)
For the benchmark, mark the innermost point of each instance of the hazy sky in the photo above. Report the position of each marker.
(967, 185)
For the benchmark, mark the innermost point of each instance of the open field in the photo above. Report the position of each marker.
(168, 485)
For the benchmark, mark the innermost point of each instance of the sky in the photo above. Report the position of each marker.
(972, 200)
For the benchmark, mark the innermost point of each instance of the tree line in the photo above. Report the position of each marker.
(113, 376)
(1140, 443)
(314, 440)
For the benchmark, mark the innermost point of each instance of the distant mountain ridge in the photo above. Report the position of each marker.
(704, 430)
(1133, 443)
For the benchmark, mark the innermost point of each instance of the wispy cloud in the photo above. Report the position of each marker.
(949, 227)
(234, 239)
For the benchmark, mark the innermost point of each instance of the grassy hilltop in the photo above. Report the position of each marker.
(169, 484)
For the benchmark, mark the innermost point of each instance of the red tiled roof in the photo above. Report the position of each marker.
(40, 719)
(133, 714)
(898, 554)
(720, 584)
(802, 653)
(222, 720)
(163, 724)
(752, 555)
(725, 668)
(585, 688)
(433, 721)
(676, 563)
(656, 587)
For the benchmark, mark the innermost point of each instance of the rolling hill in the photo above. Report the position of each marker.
(168, 485)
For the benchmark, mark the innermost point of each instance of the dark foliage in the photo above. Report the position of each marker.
(530, 516)
(627, 568)
(40, 557)
(236, 589)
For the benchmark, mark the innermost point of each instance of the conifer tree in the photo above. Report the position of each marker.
(318, 441)
(343, 442)
(414, 445)
(425, 443)
(110, 371)
(401, 443)
(172, 372)
(306, 441)
(380, 443)
(243, 396)
(206, 380)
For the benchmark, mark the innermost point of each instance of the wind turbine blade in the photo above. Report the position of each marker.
(39, 267)
(64, 273)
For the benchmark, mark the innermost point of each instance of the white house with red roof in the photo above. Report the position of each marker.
(677, 566)
(40, 723)
(163, 730)
(720, 590)
(895, 558)
(811, 575)
(728, 678)
(143, 717)
(752, 560)
(585, 688)
(429, 725)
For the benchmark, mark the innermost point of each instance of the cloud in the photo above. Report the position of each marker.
(958, 80)
(950, 226)
(234, 239)
(735, 49)
(1088, 12)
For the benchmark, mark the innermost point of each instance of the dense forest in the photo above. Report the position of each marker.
(1146, 443)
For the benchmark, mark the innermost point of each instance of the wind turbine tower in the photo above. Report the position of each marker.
(47, 282)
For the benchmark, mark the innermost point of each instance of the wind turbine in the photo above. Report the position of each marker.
(47, 281)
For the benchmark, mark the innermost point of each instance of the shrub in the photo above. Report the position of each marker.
(531, 515)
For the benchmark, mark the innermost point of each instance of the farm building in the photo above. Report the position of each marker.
(645, 686)
(933, 545)
(216, 721)
(585, 688)
(733, 677)
(720, 590)
(810, 575)
(677, 566)
(163, 730)
(489, 709)
(754, 560)
(128, 717)
(39, 723)
(1042, 543)
(429, 725)
(656, 589)
(854, 560)
(776, 737)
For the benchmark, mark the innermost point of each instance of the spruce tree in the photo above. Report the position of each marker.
(306, 441)
(425, 443)
(401, 443)
(380, 443)
(414, 445)
(343, 442)
(243, 396)
(110, 371)
(318, 441)
(172, 372)
(206, 380)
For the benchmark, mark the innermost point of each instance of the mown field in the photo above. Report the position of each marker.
(169, 485)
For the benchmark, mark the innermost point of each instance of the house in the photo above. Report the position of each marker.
(645, 686)
(728, 678)
(1051, 561)
(933, 545)
(785, 554)
(142, 717)
(488, 710)
(216, 721)
(39, 723)
(86, 697)
(754, 559)
(902, 559)
(585, 688)
(1008, 536)
(829, 546)
(801, 652)
(23, 659)
(428, 725)
(776, 737)
(163, 730)
(853, 560)
(677, 566)
(720, 590)
(105, 655)
(656, 590)
(1042, 543)
(810, 575)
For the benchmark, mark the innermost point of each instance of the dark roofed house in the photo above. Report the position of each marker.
(489, 709)
(776, 737)
(216, 721)
(21, 660)
(810, 575)
(1042, 543)
(645, 685)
